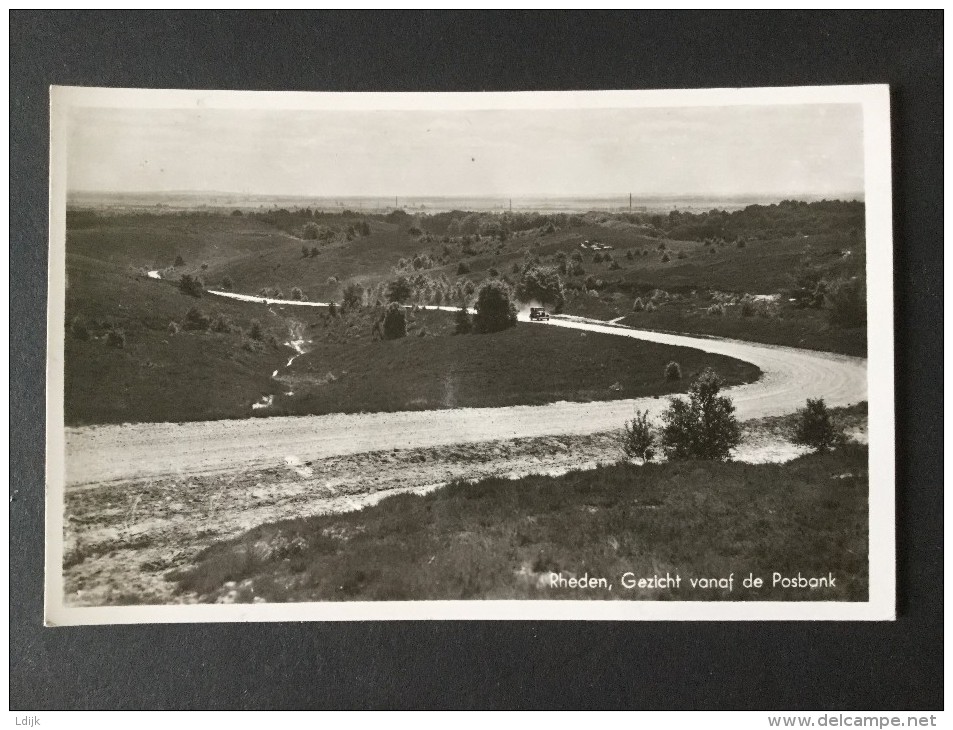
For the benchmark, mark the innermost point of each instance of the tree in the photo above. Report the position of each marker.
(255, 330)
(179, 261)
(495, 309)
(353, 295)
(638, 437)
(395, 322)
(673, 371)
(814, 427)
(846, 301)
(311, 231)
(541, 284)
(400, 289)
(702, 427)
(637, 305)
(296, 294)
(196, 319)
(191, 285)
(463, 325)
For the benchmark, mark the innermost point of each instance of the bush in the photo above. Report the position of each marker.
(740, 243)
(191, 285)
(227, 283)
(333, 309)
(463, 268)
(314, 251)
(116, 338)
(204, 266)
(400, 290)
(814, 427)
(638, 306)
(395, 322)
(296, 294)
(353, 295)
(462, 323)
(702, 427)
(494, 272)
(638, 437)
(179, 261)
(174, 328)
(78, 329)
(541, 284)
(666, 258)
(748, 308)
(630, 255)
(716, 310)
(846, 301)
(673, 371)
(495, 309)
(196, 319)
(304, 252)
(310, 232)
(597, 258)
(221, 324)
(650, 307)
(255, 330)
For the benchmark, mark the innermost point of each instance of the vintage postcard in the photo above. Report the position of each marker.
(613, 355)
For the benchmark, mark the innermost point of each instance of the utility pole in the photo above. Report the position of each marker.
(511, 205)
(630, 202)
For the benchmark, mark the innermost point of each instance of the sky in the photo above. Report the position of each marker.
(778, 150)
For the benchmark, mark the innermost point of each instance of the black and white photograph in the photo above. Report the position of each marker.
(539, 355)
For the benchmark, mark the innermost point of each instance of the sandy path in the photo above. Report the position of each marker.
(98, 454)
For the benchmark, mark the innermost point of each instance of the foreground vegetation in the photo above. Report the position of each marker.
(500, 539)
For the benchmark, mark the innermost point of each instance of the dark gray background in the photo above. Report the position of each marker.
(482, 665)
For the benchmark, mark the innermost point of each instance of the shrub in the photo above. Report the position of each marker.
(645, 252)
(255, 330)
(541, 284)
(846, 301)
(682, 255)
(251, 345)
(597, 259)
(577, 257)
(296, 294)
(494, 272)
(638, 306)
(650, 307)
(116, 338)
(310, 232)
(591, 282)
(204, 266)
(314, 251)
(174, 328)
(740, 243)
(304, 252)
(353, 295)
(716, 310)
(615, 266)
(463, 268)
(748, 308)
(462, 323)
(495, 309)
(630, 254)
(237, 212)
(78, 329)
(814, 427)
(702, 427)
(673, 371)
(333, 309)
(227, 283)
(638, 437)
(179, 261)
(400, 289)
(666, 258)
(191, 285)
(221, 324)
(415, 231)
(395, 322)
(196, 319)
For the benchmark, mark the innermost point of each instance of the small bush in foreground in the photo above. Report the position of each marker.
(673, 371)
(227, 283)
(255, 330)
(814, 427)
(638, 437)
(702, 427)
(353, 295)
(196, 319)
(221, 324)
(638, 306)
(296, 294)
(174, 328)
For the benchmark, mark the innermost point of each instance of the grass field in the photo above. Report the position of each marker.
(527, 365)
(501, 539)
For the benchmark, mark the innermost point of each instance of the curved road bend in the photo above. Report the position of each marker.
(111, 452)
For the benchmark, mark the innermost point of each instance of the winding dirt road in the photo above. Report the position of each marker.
(100, 454)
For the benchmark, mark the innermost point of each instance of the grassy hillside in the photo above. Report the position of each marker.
(527, 365)
(501, 539)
